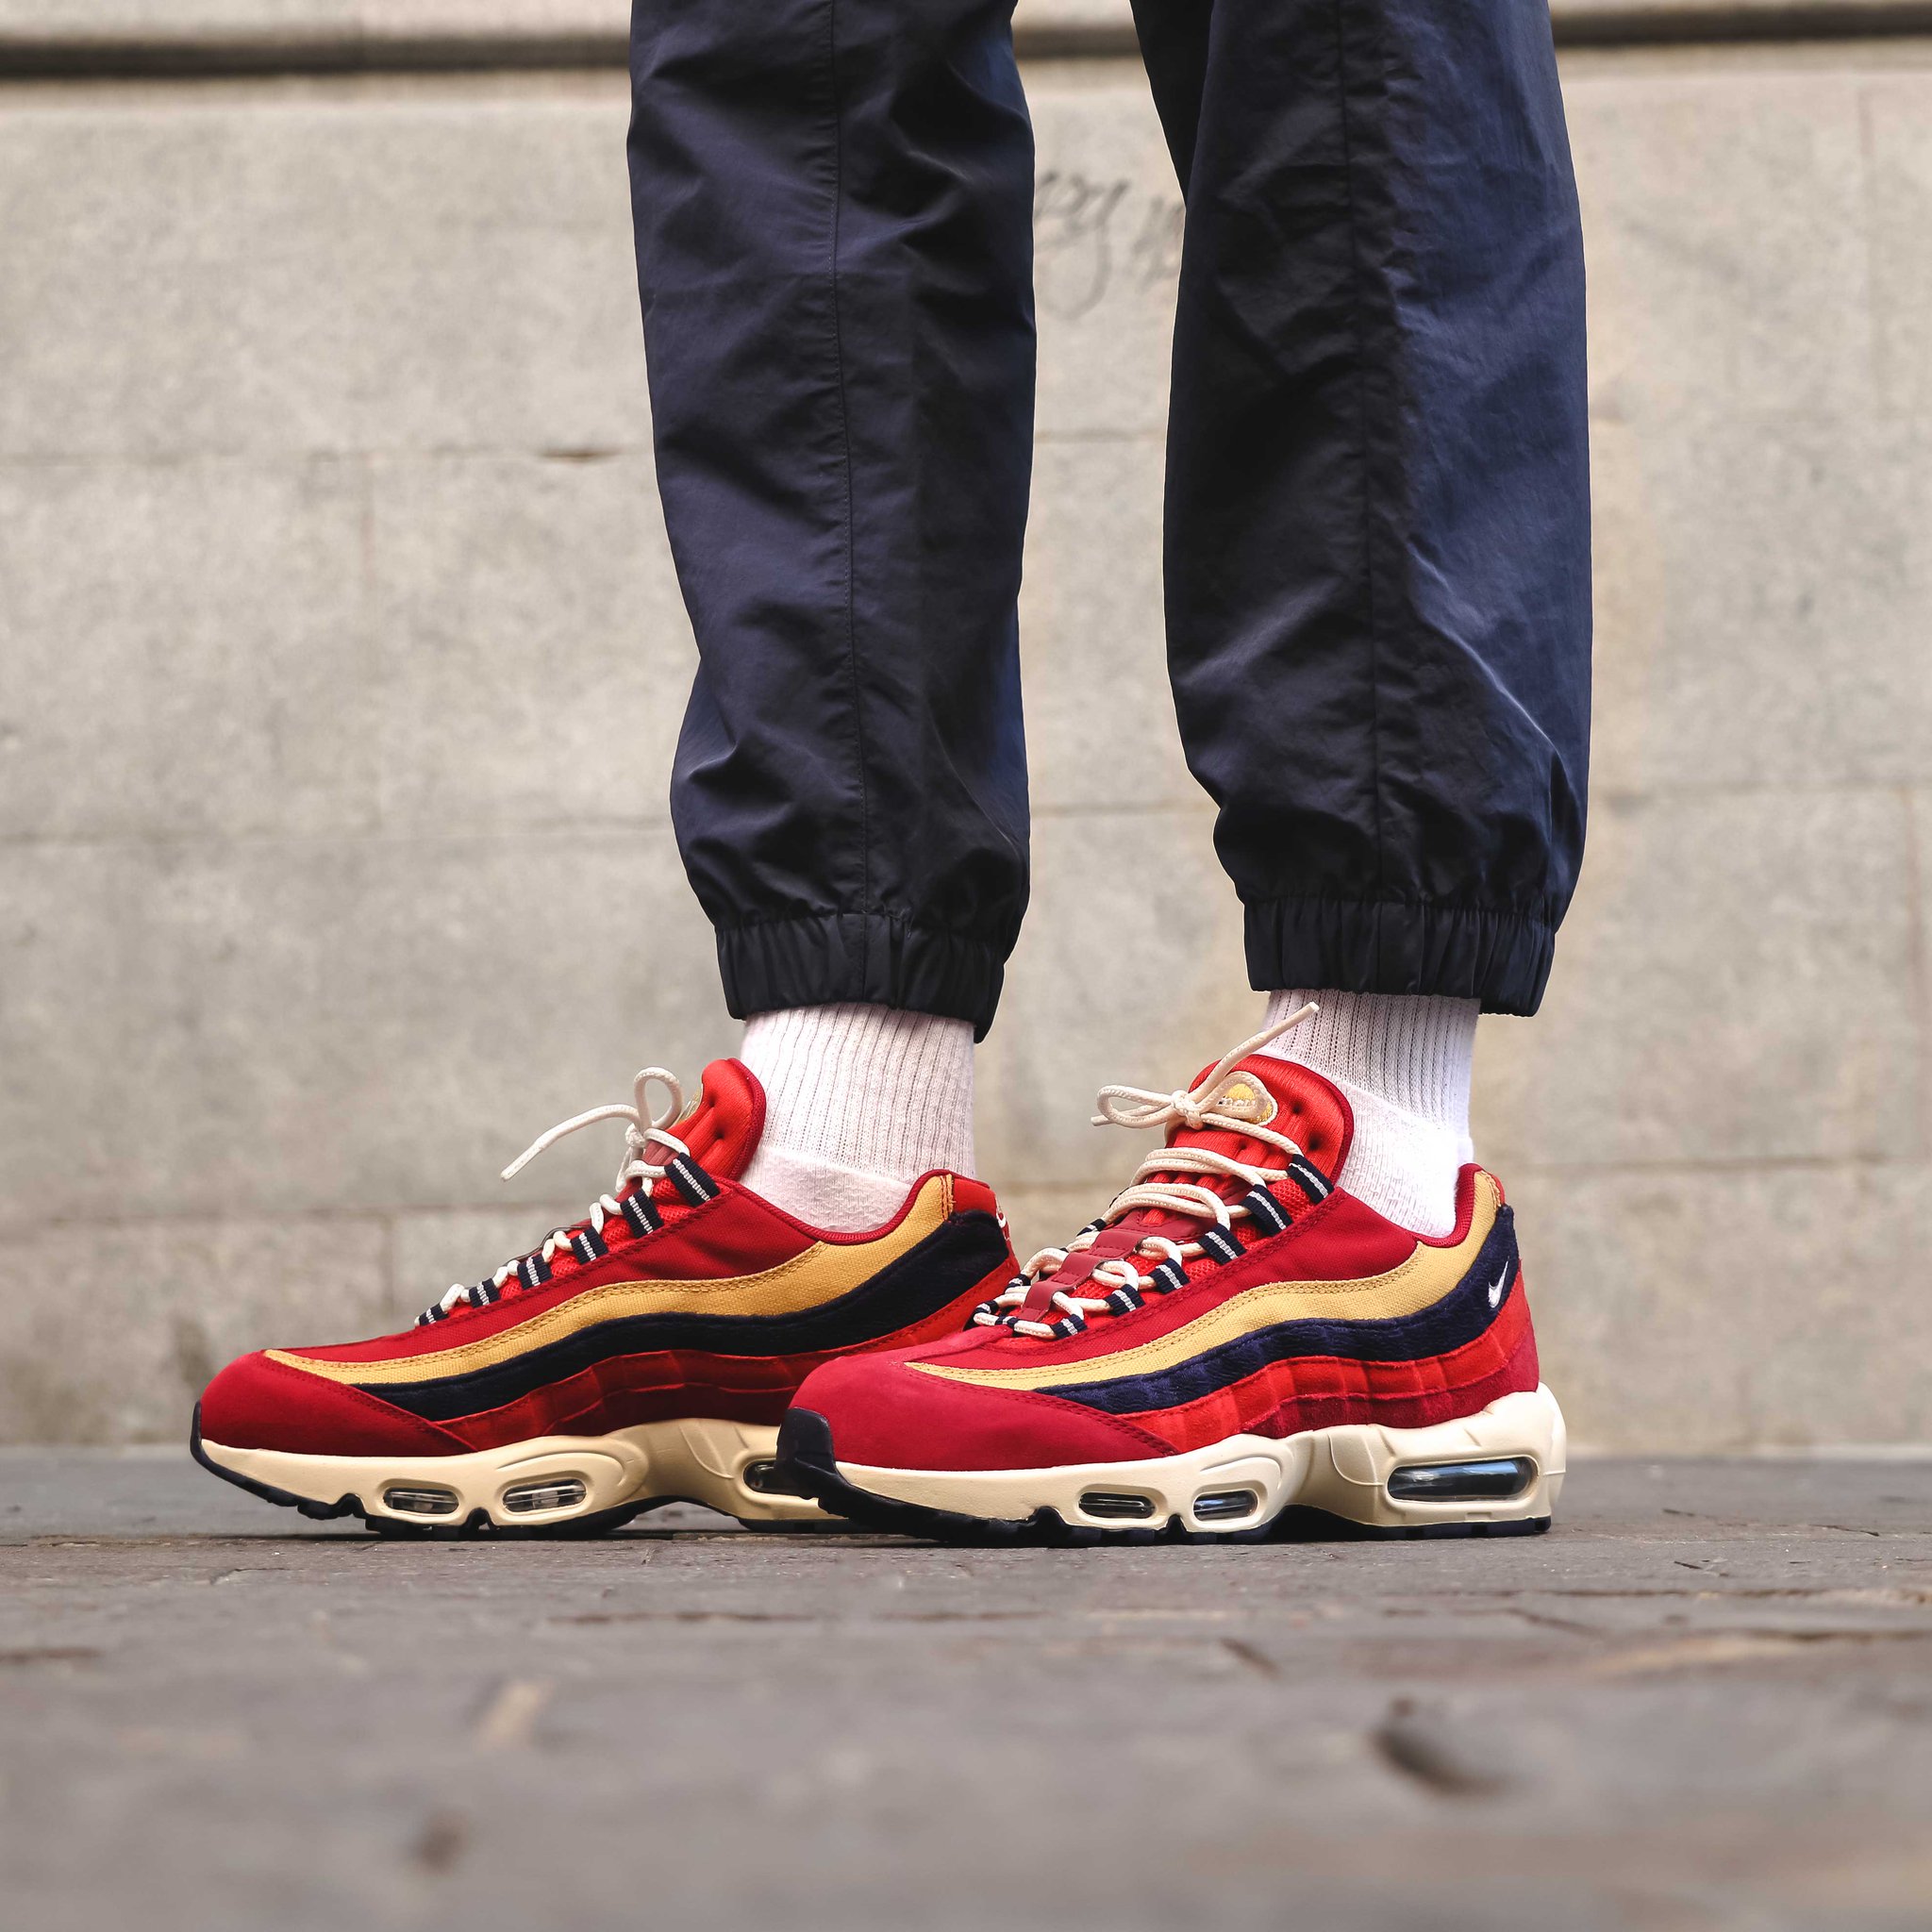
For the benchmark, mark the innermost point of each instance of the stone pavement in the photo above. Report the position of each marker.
(1706, 1701)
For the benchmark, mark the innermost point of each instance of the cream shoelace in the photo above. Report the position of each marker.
(1152, 1187)
(645, 1127)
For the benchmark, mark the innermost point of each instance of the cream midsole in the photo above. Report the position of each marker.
(1343, 1470)
(702, 1459)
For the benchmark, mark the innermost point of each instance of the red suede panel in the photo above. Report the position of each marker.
(1343, 1240)
(736, 1233)
(1318, 1391)
(968, 1347)
(884, 1413)
(259, 1403)
(1525, 1369)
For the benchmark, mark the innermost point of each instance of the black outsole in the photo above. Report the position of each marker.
(806, 1455)
(477, 1523)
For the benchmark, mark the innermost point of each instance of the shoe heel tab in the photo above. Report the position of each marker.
(971, 1196)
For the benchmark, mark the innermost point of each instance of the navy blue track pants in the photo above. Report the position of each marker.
(1377, 566)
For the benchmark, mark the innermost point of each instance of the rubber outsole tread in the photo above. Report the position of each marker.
(806, 1455)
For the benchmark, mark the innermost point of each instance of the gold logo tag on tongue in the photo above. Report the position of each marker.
(1244, 1098)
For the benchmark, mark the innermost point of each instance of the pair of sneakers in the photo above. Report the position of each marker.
(1236, 1342)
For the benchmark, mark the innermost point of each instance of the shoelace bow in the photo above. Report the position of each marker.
(637, 1210)
(1153, 1186)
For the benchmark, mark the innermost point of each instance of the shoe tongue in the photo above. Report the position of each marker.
(1283, 1096)
(722, 1125)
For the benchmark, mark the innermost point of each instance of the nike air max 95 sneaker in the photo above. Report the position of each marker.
(1236, 1337)
(645, 1354)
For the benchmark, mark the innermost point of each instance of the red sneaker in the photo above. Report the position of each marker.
(645, 1354)
(1235, 1336)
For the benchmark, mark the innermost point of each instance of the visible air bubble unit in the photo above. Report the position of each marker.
(552, 1493)
(1225, 1505)
(1494, 1481)
(767, 1479)
(1111, 1502)
(420, 1502)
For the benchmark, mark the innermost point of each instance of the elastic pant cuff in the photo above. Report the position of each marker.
(1412, 945)
(874, 959)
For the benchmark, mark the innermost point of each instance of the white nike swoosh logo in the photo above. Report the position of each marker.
(1502, 1282)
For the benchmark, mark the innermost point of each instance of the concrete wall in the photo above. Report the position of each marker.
(340, 661)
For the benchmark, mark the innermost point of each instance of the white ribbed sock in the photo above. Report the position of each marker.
(1403, 1062)
(858, 1101)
